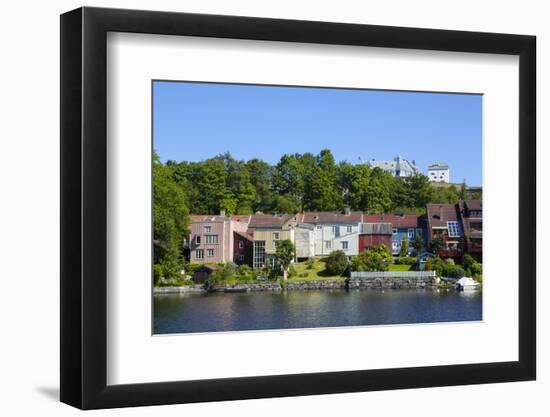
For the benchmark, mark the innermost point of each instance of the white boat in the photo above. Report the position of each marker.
(467, 284)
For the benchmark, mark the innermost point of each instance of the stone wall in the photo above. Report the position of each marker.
(179, 290)
(317, 285)
(263, 286)
(391, 282)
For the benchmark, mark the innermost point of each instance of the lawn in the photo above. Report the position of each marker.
(317, 273)
(399, 268)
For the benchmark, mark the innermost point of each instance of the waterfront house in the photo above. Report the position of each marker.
(211, 237)
(404, 227)
(242, 248)
(304, 236)
(471, 214)
(444, 220)
(334, 231)
(268, 230)
(373, 234)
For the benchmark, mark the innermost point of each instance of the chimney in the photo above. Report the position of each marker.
(222, 213)
(347, 211)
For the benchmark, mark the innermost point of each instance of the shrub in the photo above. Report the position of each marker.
(336, 263)
(303, 275)
(244, 270)
(376, 258)
(409, 260)
(292, 271)
(310, 263)
(404, 251)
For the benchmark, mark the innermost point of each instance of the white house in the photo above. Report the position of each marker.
(304, 236)
(334, 231)
(439, 172)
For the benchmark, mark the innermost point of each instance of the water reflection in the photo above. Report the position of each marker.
(185, 313)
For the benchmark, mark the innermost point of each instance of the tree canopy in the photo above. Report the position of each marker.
(302, 182)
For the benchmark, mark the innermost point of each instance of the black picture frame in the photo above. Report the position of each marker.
(84, 207)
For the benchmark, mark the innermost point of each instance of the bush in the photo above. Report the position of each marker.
(303, 275)
(376, 258)
(409, 260)
(244, 270)
(404, 251)
(336, 263)
(310, 263)
(292, 271)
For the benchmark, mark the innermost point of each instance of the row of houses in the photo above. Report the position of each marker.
(253, 239)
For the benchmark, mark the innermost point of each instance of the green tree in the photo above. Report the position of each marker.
(261, 177)
(322, 192)
(336, 263)
(170, 221)
(418, 243)
(436, 244)
(404, 251)
(285, 254)
(377, 258)
(419, 189)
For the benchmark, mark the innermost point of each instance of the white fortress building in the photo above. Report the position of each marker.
(439, 172)
(399, 167)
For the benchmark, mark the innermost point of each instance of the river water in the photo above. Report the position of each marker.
(217, 312)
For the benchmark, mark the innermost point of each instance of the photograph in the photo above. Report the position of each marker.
(294, 207)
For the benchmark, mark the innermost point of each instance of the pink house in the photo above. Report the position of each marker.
(211, 236)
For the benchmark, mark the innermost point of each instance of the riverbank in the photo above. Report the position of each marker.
(358, 281)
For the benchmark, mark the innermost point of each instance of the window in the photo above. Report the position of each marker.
(276, 235)
(199, 253)
(394, 231)
(210, 253)
(411, 233)
(207, 229)
(344, 245)
(211, 239)
(241, 244)
(198, 240)
(241, 258)
(319, 227)
(328, 244)
(275, 244)
(454, 229)
(349, 229)
(333, 229)
(259, 254)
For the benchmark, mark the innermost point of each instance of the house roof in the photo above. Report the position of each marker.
(440, 214)
(398, 164)
(242, 218)
(376, 229)
(472, 204)
(329, 217)
(269, 220)
(244, 235)
(210, 267)
(195, 218)
(397, 220)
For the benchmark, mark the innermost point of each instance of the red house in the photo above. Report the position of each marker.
(242, 248)
(444, 221)
(373, 234)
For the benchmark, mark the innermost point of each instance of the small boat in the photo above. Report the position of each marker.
(467, 284)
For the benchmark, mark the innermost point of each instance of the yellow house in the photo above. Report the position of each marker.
(268, 230)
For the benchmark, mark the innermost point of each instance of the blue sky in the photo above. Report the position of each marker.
(196, 121)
